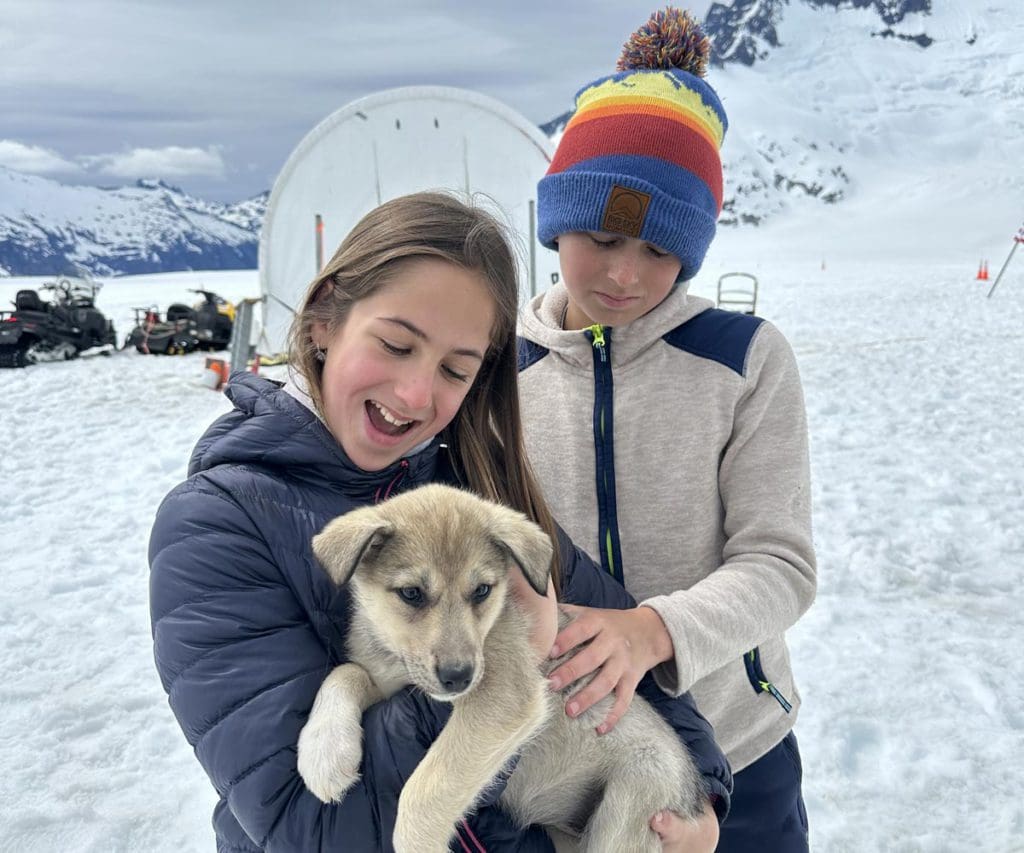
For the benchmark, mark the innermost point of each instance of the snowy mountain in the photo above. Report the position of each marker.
(746, 30)
(876, 113)
(743, 31)
(48, 228)
(881, 111)
(876, 109)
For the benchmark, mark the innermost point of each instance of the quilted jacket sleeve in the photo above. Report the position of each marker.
(241, 665)
(583, 582)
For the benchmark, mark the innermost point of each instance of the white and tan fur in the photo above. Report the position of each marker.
(453, 546)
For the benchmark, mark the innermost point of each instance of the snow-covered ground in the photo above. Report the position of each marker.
(912, 729)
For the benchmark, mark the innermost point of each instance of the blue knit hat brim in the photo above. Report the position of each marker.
(575, 201)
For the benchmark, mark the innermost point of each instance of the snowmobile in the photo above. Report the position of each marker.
(154, 335)
(56, 329)
(183, 329)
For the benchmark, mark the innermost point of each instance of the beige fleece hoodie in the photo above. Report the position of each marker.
(708, 515)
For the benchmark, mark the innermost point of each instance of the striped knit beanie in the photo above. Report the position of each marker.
(639, 157)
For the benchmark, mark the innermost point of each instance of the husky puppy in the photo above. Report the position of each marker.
(428, 572)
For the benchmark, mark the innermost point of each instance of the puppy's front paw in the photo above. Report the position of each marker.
(330, 752)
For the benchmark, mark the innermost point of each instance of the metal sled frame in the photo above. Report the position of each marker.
(738, 297)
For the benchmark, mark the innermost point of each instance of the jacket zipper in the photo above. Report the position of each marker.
(760, 683)
(604, 450)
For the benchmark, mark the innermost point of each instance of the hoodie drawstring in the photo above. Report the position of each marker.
(479, 848)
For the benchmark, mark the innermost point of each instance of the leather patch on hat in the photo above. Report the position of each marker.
(625, 211)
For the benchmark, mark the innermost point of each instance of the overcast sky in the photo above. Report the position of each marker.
(213, 95)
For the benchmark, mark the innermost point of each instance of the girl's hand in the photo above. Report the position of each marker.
(683, 836)
(624, 644)
(541, 610)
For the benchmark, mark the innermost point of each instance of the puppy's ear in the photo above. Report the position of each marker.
(528, 545)
(345, 542)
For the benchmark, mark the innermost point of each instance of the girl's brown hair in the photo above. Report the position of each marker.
(486, 435)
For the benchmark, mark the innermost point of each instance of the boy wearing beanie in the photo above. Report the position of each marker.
(669, 436)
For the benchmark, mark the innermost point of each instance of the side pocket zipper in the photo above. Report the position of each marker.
(752, 661)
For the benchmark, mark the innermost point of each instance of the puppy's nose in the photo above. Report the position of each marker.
(455, 677)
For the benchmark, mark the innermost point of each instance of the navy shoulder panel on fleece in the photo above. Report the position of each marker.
(529, 353)
(722, 336)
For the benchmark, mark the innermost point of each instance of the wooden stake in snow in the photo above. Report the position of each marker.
(319, 244)
(1018, 238)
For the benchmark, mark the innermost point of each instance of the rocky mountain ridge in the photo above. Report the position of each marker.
(876, 108)
(48, 228)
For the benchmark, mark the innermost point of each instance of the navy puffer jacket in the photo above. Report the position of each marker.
(246, 626)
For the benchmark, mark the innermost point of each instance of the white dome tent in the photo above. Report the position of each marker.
(382, 146)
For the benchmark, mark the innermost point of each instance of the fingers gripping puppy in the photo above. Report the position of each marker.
(428, 571)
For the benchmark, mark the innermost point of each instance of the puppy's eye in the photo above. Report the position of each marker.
(412, 595)
(481, 593)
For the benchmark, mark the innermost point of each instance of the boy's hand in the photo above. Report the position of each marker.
(624, 644)
(683, 836)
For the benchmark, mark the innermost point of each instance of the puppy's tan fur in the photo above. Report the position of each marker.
(466, 642)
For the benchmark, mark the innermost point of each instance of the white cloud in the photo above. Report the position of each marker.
(170, 162)
(33, 159)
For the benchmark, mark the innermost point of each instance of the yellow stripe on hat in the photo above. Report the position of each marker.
(659, 86)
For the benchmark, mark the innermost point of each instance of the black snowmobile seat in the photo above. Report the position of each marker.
(28, 300)
(178, 311)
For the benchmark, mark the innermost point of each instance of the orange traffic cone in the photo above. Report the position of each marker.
(215, 373)
(981, 271)
(984, 270)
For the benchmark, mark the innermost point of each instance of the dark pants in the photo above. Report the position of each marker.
(767, 813)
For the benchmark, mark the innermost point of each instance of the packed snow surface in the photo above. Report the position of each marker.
(912, 729)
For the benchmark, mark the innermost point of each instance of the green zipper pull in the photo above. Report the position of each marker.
(597, 331)
(773, 690)
(755, 674)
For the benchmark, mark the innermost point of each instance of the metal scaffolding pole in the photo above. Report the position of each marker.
(1017, 240)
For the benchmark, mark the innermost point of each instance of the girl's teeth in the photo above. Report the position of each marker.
(390, 418)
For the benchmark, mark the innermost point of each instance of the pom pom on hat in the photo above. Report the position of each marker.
(640, 155)
(670, 39)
